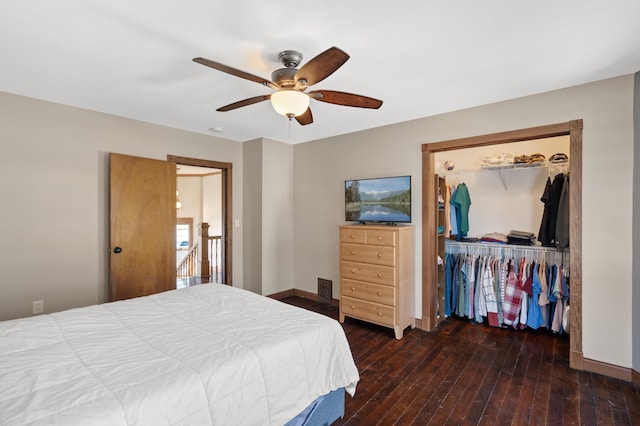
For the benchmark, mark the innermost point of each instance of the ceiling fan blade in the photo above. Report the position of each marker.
(322, 66)
(346, 99)
(244, 102)
(305, 118)
(236, 72)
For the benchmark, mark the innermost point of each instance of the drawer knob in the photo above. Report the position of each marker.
(379, 314)
(379, 275)
(353, 252)
(379, 255)
(353, 236)
(380, 293)
(379, 238)
(353, 271)
(353, 289)
(353, 307)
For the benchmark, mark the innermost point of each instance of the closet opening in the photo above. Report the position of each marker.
(572, 129)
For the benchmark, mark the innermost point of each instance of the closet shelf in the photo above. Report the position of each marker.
(522, 166)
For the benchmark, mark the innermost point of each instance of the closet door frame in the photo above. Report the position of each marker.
(573, 129)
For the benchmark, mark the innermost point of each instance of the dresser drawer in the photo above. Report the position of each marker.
(368, 311)
(381, 238)
(372, 292)
(351, 235)
(368, 272)
(378, 255)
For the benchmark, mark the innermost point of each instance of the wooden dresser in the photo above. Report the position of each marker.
(377, 275)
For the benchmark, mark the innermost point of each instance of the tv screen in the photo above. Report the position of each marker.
(385, 199)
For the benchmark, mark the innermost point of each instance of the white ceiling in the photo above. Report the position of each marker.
(134, 58)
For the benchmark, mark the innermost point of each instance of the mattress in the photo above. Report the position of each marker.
(208, 354)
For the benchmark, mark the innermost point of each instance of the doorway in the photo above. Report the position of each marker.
(429, 208)
(213, 214)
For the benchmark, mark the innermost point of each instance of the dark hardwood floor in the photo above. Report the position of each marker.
(472, 374)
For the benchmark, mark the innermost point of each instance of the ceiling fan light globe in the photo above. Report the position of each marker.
(289, 102)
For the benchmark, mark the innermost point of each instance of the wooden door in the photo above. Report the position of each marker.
(143, 226)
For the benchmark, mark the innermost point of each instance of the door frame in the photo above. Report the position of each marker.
(227, 206)
(571, 128)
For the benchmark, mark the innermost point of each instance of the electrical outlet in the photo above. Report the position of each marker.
(38, 306)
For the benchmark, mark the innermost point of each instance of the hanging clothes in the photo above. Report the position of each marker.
(556, 325)
(462, 201)
(471, 287)
(448, 285)
(489, 292)
(505, 291)
(543, 299)
(534, 319)
(562, 222)
(551, 199)
(524, 302)
(513, 298)
(453, 212)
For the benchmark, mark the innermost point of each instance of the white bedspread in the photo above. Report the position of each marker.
(207, 354)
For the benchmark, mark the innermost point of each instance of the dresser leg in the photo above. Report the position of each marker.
(341, 317)
(399, 332)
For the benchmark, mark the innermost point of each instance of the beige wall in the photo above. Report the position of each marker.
(606, 108)
(277, 217)
(54, 187)
(252, 214)
(268, 216)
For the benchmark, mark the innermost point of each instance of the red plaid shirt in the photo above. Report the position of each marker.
(512, 299)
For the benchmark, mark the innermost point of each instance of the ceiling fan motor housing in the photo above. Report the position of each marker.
(290, 58)
(284, 77)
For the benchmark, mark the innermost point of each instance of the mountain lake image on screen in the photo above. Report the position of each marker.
(385, 199)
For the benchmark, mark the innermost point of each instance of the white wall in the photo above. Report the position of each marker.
(190, 194)
(54, 186)
(495, 208)
(212, 202)
(606, 107)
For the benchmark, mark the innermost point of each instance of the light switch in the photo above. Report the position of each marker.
(236, 223)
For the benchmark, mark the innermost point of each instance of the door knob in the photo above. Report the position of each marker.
(117, 250)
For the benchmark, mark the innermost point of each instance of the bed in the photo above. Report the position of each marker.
(207, 354)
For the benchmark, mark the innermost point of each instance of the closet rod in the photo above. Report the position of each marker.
(495, 246)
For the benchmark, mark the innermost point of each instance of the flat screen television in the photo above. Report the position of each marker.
(386, 199)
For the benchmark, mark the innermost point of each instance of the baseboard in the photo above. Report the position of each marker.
(294, 292)
(635, 377)
(282, 294)
(576, 360)
(609, 370)
(418, 323)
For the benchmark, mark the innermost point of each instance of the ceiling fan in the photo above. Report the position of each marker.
(290, 84)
